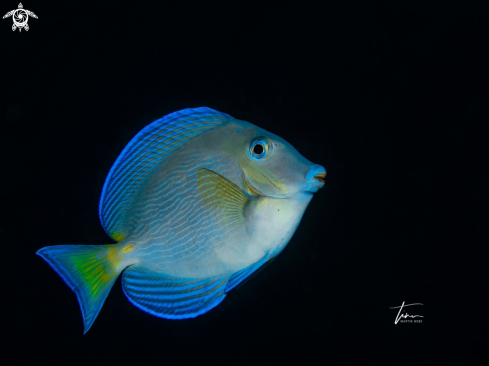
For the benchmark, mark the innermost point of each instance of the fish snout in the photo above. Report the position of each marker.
(315, 178)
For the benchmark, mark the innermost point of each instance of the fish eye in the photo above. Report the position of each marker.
(259, 148)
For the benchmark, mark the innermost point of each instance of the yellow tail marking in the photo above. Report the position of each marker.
(113, 255)
(118, 236)
(128, 248)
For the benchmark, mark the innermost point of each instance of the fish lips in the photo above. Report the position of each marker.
(315, 178)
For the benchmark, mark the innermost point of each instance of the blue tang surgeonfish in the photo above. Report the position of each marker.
(197, 202)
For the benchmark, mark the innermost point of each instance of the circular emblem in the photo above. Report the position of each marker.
(20, 17)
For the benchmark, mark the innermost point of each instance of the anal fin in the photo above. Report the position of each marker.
(241, 277)
(170, 297)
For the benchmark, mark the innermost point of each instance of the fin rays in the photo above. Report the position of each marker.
(223, 197)
(90, 278)
(141, 157)
(170, 297)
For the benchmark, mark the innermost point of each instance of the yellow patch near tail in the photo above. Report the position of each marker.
(97, 267)
(128, 248)
(113, 255)
(89, 270)
(118, 236)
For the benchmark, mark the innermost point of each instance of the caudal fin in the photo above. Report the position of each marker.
(89, 270)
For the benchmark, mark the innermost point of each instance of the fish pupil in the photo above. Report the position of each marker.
(258, 149)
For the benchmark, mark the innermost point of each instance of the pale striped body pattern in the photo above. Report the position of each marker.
(197, 202)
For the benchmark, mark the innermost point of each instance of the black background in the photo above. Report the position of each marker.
(391, 97)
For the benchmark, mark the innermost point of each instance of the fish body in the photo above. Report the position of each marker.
(197, 201)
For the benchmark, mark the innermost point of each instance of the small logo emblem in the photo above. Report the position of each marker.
(20, 17)
(404, 317)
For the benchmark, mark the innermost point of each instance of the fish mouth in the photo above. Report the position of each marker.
(320, 177)
(315, 178)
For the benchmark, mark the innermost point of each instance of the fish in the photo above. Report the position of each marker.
(196, 202)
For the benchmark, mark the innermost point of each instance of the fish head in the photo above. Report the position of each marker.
(272, 167)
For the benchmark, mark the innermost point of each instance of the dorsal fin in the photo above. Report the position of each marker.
(141, 157)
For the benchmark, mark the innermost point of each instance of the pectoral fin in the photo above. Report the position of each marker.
(224, 198)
